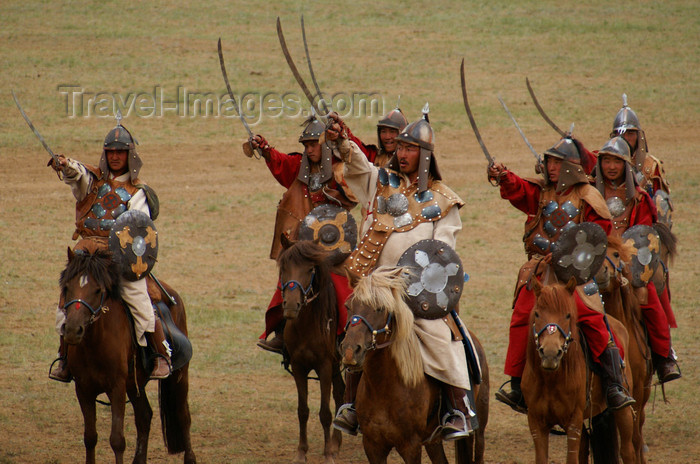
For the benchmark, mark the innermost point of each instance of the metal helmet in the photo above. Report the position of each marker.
(313, 128)
(120, 138)
(619, 148)
(394, 119)
(625, 119)
(572, 172)
(421, 134)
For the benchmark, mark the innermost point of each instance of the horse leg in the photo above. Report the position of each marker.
(540, 436)
(376, 452)
(325, 416)
(301, 379)
(625, 426)
(412, 453)
(87, 406)
(142, 416)
(573, 439)
(117, 399)
(175, 414)
(436, 452)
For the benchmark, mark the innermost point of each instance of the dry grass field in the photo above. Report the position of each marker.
(69, 61)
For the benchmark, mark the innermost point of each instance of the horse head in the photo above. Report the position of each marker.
(611, 275)
(87, 282)
(378, 317)
(553, 320)
(300, 265)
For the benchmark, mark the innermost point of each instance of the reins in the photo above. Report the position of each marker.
(357, 319)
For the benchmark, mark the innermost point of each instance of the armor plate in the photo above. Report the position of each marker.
(663, 207)
(333, 227)
(435, 278)
(645, 258)
(133, 241)
(579, 252)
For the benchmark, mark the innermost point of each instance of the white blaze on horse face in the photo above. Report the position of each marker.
(83, 280)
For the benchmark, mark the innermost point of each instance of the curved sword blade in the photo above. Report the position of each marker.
(295, 71)
(539, 108)
(522, 134)
(36, 132)
(311, 69)
(471, 117)
(233, 99)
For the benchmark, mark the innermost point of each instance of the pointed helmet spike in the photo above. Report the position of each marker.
(426, 110)
(571, 130)
(624, 100)
(119, 118)
(398, 103)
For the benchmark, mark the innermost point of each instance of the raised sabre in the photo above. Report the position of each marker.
(36, 132)
(295, 72)
(539, 108)
(233, 99)
(538, 166)
(311, 69)
(471, 117)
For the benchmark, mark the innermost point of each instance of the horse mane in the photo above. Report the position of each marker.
(98, 264)
(624, 249)
(308, 251)
(385, 289)
(668, 238)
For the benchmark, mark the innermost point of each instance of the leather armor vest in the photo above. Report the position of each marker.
(556, 213)
(398, 208)
(619, 210)
(107, 199)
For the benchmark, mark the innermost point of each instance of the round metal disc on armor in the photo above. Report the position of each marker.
(133, 241)
(645, 258)
(579, 252)
(435, 278)
(616, 205)
(333, 227)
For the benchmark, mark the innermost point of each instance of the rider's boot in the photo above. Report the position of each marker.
(276, 343)
(514, 398)
(456, 423)
(346, 418)
(616, 396)
(59, 368)
(666, 367)
(161, 368)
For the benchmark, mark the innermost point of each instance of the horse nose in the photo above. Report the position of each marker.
(349, 354)
(73, 335)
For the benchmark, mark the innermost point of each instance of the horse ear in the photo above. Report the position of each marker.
(71, 255)
(353, 278)
(286, 241)
(571, 285)
(536, 286)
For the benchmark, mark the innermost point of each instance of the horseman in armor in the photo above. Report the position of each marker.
(564, 197)
(311, 178)
(629, 206)
(102, 194)
(648, 170)
(409, 203)
(388, 129)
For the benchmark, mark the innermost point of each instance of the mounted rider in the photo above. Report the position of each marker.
(102, 194)
(388, 129)
(312, 178)
(410, 203)
(562, 198)
(629, 206)
(649, 170)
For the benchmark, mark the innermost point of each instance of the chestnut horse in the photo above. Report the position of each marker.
(103, 358)
(397, 404)
(621, 303)
(558, 388)
(309, 305)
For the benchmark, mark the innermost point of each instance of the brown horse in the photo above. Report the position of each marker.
(310, 310)
(667, 252)
(103, 358)
(556, 383)
(397, 404)
(621, 303)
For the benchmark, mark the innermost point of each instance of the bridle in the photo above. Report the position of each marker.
(95, 313)
(357, 319)
(551, 328)
(308, 292)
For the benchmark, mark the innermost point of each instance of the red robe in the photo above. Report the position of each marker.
(525, 196)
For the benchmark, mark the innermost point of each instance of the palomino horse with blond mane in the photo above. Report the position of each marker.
(558, 388)
(397, 404)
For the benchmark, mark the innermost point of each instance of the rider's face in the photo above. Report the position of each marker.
(613, 168)
(409, 158)
(117, 161)
(312, 149)
(388, 137)
(553, 168)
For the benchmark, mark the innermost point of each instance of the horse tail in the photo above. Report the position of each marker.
(604, 441)
(175, 411)
(668, 239)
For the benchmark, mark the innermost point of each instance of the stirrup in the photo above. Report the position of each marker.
(160, 377)
(517, 405)
(55, 377)
(341, 422)
(450, 432)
